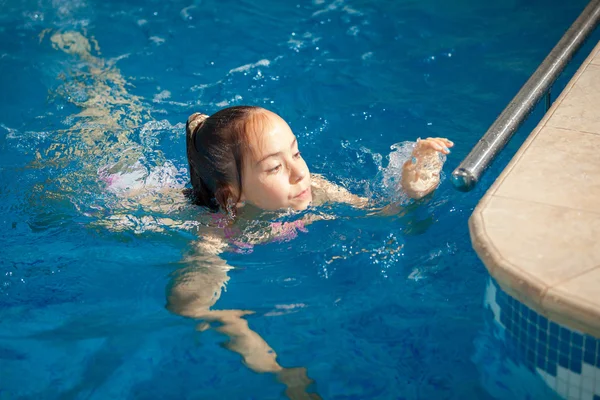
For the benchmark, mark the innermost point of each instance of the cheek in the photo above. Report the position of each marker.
(277, 186)
(271, 193)
(268, 192)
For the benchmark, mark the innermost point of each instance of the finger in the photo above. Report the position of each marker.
(444, 141)
(435, 144)
(447, 143)
(441, 145)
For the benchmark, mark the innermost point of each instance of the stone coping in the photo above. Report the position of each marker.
(537, 229)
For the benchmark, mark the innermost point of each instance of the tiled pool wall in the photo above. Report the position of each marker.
(565, 360)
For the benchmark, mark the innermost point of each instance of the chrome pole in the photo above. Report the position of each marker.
(468, 173)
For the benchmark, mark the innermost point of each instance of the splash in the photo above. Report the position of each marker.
(106, 163)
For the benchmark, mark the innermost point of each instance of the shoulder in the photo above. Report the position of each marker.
(318, 180)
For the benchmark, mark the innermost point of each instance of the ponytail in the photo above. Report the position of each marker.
(201, 193)
(215, 155)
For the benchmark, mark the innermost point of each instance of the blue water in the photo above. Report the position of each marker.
(372, 307)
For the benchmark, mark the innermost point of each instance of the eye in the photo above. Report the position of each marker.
(274, 170)
(298, 155)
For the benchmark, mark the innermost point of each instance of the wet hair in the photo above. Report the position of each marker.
(216, 146)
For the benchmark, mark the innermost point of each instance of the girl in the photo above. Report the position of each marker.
(244, 161)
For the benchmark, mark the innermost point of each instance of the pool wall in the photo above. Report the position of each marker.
(536, 230)
(566, 360)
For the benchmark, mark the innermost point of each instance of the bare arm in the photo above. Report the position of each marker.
(330, 192)
(420, 176)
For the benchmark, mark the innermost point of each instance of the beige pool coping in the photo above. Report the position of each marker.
(537, 229)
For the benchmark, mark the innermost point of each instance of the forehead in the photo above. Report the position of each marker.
(267, 133)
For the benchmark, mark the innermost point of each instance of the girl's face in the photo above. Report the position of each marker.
(275, 175)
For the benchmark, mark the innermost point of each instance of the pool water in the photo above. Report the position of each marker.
(372, 306)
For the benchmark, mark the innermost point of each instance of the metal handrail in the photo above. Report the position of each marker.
(467, 174)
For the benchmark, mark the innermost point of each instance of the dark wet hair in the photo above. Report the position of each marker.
(215, 150)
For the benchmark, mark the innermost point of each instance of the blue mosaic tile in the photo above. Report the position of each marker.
(502, 301)
(522, 346)
(552, 356)
(564, 347)
(563, 360)
(499, 295)
(589, 357)
(543, 323)
(565, 334)
(511, 333)
(554, 328)
(511, 308)
(525, 339)
(553, 342)
(532, 330)
(577, 339)
(540, 361)
(576, 367)
(515, 338)
(590, 343)
(543, 337)
(551, 368)
(509, 324)
(533, 316)
(537, 342)
(504, 319)
(576, 360)
(511, 301)
(530, 359)
(541, 348)
(523, 323)
(531, 342)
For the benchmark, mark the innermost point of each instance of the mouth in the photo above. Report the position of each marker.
(303, 194)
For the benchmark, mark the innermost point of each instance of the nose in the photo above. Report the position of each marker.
(298, 171)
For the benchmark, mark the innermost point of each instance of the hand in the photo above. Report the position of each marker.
(421, 174)
(430, 145)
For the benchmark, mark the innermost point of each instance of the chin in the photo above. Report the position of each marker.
(302, 206)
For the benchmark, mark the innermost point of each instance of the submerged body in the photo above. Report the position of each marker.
(269, 177)
(259, 154)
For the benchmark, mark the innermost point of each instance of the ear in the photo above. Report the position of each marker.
(242, 199)
(234, 193)
(227, 194)
(223, 195)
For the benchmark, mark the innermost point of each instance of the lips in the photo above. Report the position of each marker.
(303, 194)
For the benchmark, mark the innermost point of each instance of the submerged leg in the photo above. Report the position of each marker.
(196, 290)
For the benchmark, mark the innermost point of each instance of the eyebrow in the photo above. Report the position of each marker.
(277, 153)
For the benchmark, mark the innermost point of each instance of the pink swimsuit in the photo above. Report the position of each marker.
(283, 232)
